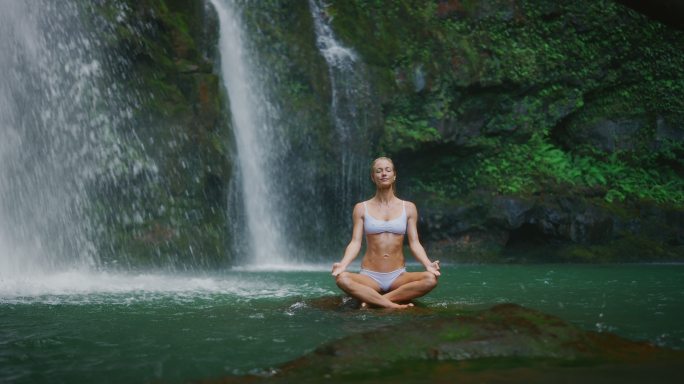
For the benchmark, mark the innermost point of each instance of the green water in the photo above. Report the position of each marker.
(129, 329)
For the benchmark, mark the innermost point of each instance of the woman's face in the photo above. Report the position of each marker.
(383, 173)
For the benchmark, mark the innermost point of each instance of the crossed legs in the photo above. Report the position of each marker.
(406, 287)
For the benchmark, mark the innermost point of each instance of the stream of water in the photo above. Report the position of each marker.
(258, 146)
(350, 110)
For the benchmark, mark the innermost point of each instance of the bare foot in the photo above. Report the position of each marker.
(365, 305)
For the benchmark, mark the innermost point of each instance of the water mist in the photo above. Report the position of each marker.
(60, 117)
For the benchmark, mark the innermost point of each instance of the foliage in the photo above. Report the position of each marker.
(506, 87)
(525, 168)
(407, 133)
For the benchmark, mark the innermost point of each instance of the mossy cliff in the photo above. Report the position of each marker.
(551, 130)
(173, 212)
(567, 115)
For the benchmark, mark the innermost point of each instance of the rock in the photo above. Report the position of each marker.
(180, 120)
(666, 11)
(513, 211)
(485, 229)
(666, 131)
(474, 344)
(460, 133)
(610, 135)
(590, 226)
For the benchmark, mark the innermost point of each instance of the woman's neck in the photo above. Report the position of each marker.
(384, 196)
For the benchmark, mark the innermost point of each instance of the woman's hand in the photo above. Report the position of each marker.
(433, 268)
(338, 268)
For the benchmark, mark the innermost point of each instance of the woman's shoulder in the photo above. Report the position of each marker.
(410, 206)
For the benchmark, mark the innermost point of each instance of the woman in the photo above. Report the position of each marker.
(383, 280)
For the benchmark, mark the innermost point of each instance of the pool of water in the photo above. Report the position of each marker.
(107, 327)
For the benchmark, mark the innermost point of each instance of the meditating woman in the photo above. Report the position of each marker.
(385, 219)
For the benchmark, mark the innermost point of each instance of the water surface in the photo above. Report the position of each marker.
(106, 327)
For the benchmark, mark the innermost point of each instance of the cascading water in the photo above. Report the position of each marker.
(258, 147)
(76, 180)
(59, 116)
(351, 113)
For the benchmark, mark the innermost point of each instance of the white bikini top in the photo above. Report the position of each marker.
(372, 226)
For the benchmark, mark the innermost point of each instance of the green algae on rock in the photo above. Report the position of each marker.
(506, 341)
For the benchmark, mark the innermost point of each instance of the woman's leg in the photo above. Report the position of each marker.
(410, 285)
(364, 289)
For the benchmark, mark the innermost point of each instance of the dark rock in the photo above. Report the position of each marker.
(666, 131)
(513, 211)
(460, 132)
(610, 135)
(485, 229)
(590, 226)
(179, 118)
(670, 12)
(441, 223)
(504, 337)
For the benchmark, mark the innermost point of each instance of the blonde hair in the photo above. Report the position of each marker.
(372, 170)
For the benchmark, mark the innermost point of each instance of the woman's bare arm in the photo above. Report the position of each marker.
(414, 243)
(354, 246)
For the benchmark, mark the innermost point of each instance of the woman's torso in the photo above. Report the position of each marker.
(384, 229)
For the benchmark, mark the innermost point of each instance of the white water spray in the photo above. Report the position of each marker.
(257, 140)
(349, 109)
(59, 116)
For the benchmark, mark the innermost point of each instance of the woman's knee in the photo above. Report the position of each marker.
(429, 280)
(342, 280)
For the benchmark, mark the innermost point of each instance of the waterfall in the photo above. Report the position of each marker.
(259, 146)
(351, 113)
(79, 189)
(60, 116)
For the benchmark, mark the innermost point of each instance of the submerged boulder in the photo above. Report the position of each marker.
(506, 342)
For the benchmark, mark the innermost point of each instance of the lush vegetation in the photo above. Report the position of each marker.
(474, 100)
(512, 90)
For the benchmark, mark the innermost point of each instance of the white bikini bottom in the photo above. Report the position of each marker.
(385, 279)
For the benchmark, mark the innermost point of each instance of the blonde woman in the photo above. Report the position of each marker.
(385, 220)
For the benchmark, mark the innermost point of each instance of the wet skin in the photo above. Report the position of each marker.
(384, 252)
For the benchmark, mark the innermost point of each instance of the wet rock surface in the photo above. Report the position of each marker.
(553, 228)
(504, 343)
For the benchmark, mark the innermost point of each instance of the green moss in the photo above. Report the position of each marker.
(506, 77)
(172, 212)
(404, 133)
(469, 97)
(460, 333)
(630, 248)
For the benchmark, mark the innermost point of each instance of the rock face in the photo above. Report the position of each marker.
(515, 125)
(551, 106)
(507, 341)
(175, 217)
(666, 11)
(552, 228)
